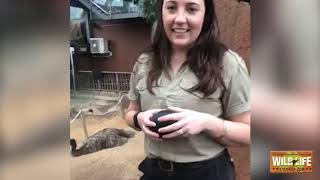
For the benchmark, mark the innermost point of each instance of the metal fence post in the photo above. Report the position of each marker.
(117, 82)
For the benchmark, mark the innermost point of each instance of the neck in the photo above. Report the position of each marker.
(178, 56)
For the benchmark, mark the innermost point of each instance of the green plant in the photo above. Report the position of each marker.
(148, 8)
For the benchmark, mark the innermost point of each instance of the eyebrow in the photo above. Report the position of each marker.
(188, 3)
(170, 1)
(193, 4)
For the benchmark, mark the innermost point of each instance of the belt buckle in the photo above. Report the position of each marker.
(170, 169)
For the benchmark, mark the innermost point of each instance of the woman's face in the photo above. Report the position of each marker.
(182, 21)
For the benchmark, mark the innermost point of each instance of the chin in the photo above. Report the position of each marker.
(181, 44)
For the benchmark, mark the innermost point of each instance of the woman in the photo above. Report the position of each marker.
(189, 71)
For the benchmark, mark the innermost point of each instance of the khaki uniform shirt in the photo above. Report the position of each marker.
(233, 100)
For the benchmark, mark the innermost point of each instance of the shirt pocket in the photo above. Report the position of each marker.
(211, 104)
(148, 100)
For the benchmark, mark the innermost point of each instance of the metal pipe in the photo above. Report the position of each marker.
(72, 69)
(100, 7)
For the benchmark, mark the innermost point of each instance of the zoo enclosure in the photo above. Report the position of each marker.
(102, 80)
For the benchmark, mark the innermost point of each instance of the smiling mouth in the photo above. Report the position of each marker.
(180, 30)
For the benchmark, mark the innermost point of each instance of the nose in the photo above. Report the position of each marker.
(180, 18)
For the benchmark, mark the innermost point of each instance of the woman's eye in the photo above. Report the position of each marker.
(192, 10)
(170, 8)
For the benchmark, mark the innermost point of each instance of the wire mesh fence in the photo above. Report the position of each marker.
(104, 80)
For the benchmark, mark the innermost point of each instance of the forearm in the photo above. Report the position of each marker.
(134, 107)
(129, 118)
(230, 133)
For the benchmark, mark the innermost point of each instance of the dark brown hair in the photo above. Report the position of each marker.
(204, 58)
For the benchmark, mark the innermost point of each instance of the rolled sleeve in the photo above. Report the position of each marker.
(139, 70)
(133, 94)
(236, 98)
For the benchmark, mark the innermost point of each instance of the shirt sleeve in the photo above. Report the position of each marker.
(133, 94)
(139, 70)
(236, 97)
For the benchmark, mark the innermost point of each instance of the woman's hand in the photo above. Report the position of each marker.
(188, 122)
(144, 123)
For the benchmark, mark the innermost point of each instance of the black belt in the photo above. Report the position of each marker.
(171, 166)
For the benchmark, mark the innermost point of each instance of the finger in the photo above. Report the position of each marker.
(173, 127)
(176, 109)
(173, 134)
(153, 111)
(185, 132)
(154, 138)
(150, 133)
(149, 123)
(171, 117)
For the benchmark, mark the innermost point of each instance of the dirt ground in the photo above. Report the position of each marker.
(120, 163)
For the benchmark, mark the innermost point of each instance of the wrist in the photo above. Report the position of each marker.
(136, 121)
(223, 129)
(216, 127)
(209, 124)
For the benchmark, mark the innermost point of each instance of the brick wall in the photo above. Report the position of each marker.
(128, 39)
(234, 25)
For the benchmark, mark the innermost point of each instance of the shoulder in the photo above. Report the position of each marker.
(144, 58)
(232, 63)
(143, 62)
(234, 67)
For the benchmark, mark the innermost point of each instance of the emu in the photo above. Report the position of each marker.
(106, 138)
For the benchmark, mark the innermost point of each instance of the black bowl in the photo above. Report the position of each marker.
(159, 125)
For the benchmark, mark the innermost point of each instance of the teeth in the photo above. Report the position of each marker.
(180, 30)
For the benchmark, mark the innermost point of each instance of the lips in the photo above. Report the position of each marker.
(180, 30)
